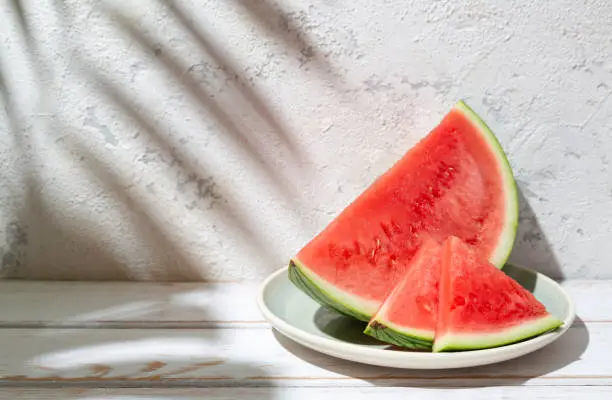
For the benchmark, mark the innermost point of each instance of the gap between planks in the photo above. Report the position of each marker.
(397, 383)
(176, 324)
(485, 393)
(138, 325)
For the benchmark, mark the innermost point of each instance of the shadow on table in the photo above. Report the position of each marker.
(349, 330)
(567, 349)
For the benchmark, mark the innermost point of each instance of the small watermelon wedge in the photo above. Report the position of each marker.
(482, 307)
(409, 314)
(455, 181)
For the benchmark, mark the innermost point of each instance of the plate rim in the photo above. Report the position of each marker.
(399, 359)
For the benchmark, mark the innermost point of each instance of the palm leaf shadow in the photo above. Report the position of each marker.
(231, 69)
(223, 201)
(279, 23)
(16, 235)
(240, 136)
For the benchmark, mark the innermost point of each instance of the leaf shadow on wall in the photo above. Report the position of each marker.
(59, 236)
(242, 135)
(251, 137)
(175, 157)
(532, 248)
(12, 251)
(279, 23)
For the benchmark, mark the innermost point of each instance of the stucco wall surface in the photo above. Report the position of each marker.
(189, 140)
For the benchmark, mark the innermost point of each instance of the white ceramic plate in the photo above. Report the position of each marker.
(300, 318)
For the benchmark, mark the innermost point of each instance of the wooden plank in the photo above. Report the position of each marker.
(301, 393)
(128, 304)
(590, 299)
(260, 357)
(188, 305)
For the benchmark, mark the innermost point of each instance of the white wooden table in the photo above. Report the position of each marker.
(189, 341)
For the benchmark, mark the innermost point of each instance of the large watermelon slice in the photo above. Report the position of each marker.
(481, 307)
(456, 181)
(409, 314)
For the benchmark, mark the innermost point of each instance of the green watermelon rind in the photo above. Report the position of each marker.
(486, 340)
(508, 235)
(385, 333)
(299, 276)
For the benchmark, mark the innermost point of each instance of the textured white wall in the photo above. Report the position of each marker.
(211, 139)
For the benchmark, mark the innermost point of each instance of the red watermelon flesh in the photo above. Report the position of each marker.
(455, 181)
(409, 314)
(480, 306)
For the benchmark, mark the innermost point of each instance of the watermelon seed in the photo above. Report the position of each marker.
(373, 256)
(426, 306)
(396, 227)
(458, 302)
(346, 253)
(332, 250)
(472, 241)
(386, 230)
(374, 252)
